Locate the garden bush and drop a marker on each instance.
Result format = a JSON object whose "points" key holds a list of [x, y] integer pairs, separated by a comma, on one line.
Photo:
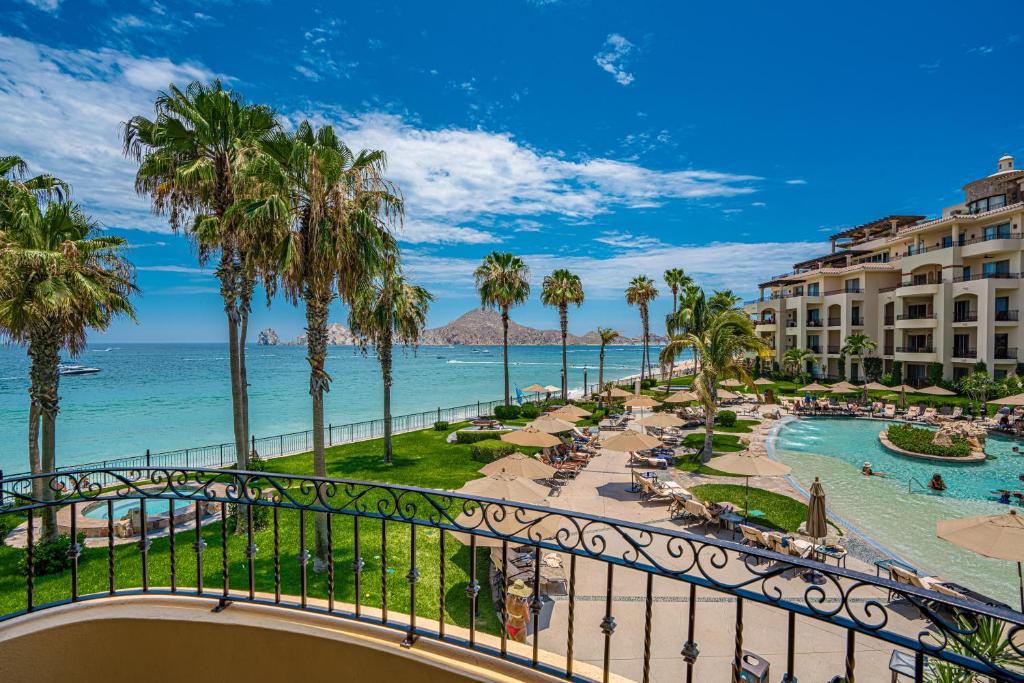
{"points": [[51, 557], [919, 440], [509, 412], [465, 437], [529, 411], [440, 425], [489, 450], [726, 418]]}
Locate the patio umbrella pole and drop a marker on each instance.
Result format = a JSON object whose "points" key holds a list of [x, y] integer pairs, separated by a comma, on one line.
{"points": [[1020, 578]]}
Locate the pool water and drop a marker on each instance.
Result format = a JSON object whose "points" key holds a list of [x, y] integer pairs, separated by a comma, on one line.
{"points": [[881, 507], [123, 507]]}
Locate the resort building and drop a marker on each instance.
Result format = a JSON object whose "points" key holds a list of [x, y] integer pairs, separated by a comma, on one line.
{"points": [[943, 291]]}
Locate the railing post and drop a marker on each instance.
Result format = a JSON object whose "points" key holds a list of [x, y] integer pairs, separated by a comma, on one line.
{"points": [[330, 434], [439, 413], [147, 458]]}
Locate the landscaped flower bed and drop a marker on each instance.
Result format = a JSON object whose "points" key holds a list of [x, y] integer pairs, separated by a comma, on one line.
{"points": [[919, 440]]}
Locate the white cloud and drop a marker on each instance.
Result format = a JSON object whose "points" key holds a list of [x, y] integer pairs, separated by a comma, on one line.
{"points": [[758, 204], [796, 181], [614, 56], [62, 110], [627, 240], [45, 5], [719, 265], [429, 232]]}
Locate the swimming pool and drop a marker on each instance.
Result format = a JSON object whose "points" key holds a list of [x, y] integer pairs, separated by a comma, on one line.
{"points": [[881, 507], [124, 506]]}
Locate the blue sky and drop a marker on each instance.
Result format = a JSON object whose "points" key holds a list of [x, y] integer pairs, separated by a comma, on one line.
{"points": [[611, 138]]}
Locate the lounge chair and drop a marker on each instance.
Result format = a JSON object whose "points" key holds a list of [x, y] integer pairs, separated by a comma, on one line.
{"points": [[957, 413], [929, 415], [889, 412], [913, 412], [699, 511], [792, 546]]}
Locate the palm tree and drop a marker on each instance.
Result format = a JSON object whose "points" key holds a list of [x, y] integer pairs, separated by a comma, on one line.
{"points": [[391, 309], [503, 281], [58, 279], [795, 360], [677, 280], [334, 213], [560, 289], [723, 300], [16, 190], [720, 345], [190, 156], [856, 346], [607, 336], [640, 293]]}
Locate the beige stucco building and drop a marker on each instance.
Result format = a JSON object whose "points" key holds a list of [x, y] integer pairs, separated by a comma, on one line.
{"points": [[945, 290]]}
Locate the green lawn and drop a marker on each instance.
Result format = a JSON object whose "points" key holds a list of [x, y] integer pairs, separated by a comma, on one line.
{"points": [[421, 459], [697, 467], [740, 427], [720, 443], [780, 512]]}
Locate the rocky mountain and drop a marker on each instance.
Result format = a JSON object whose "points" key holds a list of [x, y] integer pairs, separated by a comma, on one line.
{"points": [[481, 326], [267, 337], [337, 335]]}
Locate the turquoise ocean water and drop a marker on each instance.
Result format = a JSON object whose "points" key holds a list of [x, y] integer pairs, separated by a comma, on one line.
{"points": [[169, 396]]}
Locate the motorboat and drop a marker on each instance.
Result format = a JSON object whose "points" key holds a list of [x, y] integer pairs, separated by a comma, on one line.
{"points": [[66, 369]]}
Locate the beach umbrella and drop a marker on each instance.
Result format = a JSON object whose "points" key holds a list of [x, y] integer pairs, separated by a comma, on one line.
{"points": [[1000, 537], [731, 383], [550, 425], [817, 524], [904, 389], [571, 409], [843, 388], [519, 465], [630, 441], [506, 487], [616, 392], [875, 386], [681, 396], [1015, 400], [726, 395], [536, 388], [748, 466], [813, 386], [642, 402], [936, 391], [551, 388], [763, 382], [661, 420], [528, 436]]}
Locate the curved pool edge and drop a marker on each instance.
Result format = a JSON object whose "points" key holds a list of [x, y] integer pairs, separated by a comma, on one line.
{"points": [[769, 445], [975, 458]]}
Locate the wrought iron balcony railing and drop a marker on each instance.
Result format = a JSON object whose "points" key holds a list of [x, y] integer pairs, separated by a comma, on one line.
{"points": [[968, 317], [960, 352], [916, 316], [1006, 353], [834, 322], [387, 520], [999, 275], [813, 322], [1006, 316], [923, 348]]}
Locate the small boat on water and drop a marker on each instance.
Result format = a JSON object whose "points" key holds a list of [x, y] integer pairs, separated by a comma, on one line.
{"points": [[65, 369]]}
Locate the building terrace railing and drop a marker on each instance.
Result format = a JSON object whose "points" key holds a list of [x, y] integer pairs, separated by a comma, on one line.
{"points": [[968, 317], [1004, 316], [854, 290], [964, 353], [916, 316], [1006, 353], [987, 276], [924, 348], [395, 519]]}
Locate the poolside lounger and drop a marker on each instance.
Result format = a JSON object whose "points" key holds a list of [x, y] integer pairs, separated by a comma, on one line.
{"points": [[913, 412], [929, 414], [957, 413], [890, 411], [699, 511]]}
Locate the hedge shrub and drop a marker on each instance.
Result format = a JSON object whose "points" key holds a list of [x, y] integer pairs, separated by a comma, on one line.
{"points": [[489, 450], [509, 412], [726, 418], [51, 557], [919, 440], [529, 410], [466, 437], [440, 425]]}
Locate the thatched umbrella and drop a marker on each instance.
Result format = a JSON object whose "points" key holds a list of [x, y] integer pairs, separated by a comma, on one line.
{"points": [[748, 466], [616, 392], [763, 382], [505, 520], [519, 465], [731, 383], [726, 395], [571, 412], [1015, 400], [681, 396], [662, 420], [875, 386], [936, 391], [630, 441], [528, 436], [550, 425], [813, 386], [997, 536], [506, 487]]}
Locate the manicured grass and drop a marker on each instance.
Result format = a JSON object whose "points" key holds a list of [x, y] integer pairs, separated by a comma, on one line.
{"points": [[697, 467], [421, 459], [739, 427], [780, 512], [720, 443], [919, 440]]}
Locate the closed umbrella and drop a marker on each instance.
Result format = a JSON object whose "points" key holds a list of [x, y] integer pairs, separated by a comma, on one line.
{"points": [[528, 436], [817, 524], [748, 466], [519, 465], [1000, 537], [661, 420], [550, 425], [682, 396], [904, 389], [630, 441]]}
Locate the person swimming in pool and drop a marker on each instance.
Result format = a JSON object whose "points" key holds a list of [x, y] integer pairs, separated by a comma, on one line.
{"points": [[1004, 497], [936, 483], [867, 471]]}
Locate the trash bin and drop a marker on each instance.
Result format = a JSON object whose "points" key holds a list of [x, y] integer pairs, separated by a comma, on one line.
{"points": [[754, 669]]}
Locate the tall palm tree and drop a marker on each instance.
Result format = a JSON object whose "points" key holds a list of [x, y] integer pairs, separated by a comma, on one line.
{"points": [[677, 280], [640, 293], [795, 360], [721, 344], [190, 157], [58, 279], [503, 281], [390, 309], [607, 336], [16, 190], [560, 289], [856, 346], [334, 211], [723, 300]]}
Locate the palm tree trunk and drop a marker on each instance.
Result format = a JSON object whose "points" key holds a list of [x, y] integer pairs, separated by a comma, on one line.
{"points": [[504, 342], [227, 274], [33, 446], [317, 310], [44, 350], [600, 378], [709, 432], [243, 378], [672, 363], [384, 354], [563, 316], [647, 352]]}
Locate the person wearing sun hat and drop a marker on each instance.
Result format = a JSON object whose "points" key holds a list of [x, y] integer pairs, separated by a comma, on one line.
{"points": [[517, 610]]}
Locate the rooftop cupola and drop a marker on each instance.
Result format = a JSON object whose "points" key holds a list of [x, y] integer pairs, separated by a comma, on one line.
{"points": [[1005, 163]]}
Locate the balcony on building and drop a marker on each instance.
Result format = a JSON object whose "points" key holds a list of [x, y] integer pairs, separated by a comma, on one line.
{"points": [[964, 353], [1005, 353]]}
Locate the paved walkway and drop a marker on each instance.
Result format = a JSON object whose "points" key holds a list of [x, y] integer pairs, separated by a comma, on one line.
{"points": [[603, 489]]}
